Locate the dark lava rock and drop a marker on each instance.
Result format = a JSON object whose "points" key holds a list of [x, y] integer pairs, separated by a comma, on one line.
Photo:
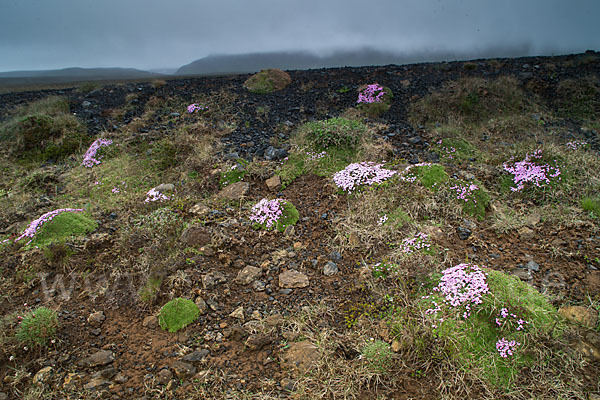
{"points": [[463, 233], [196, 356]]}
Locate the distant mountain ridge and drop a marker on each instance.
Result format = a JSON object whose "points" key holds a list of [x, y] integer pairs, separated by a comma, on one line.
{"points": [[77, 73], [253, 62]]}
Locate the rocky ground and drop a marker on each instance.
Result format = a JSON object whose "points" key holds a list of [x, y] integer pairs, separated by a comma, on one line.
{"points": [[261, 292]]}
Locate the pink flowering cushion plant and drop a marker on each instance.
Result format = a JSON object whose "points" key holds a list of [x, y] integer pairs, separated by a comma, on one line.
{"points": [[274, 214], [89, 159], [489, 320], [361, 174], [532, 172], [57, 225], [374, 99]]}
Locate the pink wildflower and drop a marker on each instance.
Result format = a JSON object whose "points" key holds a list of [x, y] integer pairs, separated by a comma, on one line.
{"points": [[35, 225], [89, 159]]}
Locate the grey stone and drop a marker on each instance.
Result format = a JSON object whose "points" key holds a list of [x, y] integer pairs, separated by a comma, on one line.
{"points": [[196, 356], [202, 306], [183, 370], [523, 274], [175, 114], [164, 376], [248, 275], [212, 279], [330, 268], [86, 104], [273, 183], [97, 384], [259, 286], [43, 376], [533, 266], [165, 187], [195, 235]]}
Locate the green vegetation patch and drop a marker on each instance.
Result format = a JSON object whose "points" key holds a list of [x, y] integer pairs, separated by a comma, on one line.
{"points": [[38, 327], [334, 132], [378, 355], [498, 337], [177, 314], [268, 81], [324, 163], [455, 149], [431, 176], [65, 225], [472, 196], [591, 205]]}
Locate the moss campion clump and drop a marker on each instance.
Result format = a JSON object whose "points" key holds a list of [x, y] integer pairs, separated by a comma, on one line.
{"points": [[277, 214], [268, 81], [56, 226], [38, 327], [491, 321], [177, 314], [374, 100]]}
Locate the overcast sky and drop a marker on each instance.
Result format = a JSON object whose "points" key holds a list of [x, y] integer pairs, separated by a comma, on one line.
{"points": [[45, 34]]}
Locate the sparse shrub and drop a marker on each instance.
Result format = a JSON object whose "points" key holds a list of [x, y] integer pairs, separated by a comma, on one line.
{"points": [[334, 132], [158, 83], [472, 100], [379, 356], [469, 66], [267, 81], [149, 292], [42, 131], [274, 214], [578, 98], [164, 154], [38, 327], [177, 314], [87, 87]]}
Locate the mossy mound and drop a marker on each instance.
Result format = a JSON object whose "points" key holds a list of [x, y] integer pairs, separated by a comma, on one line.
{"points": [[177, 314], [63, 226], [268, 81]]}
